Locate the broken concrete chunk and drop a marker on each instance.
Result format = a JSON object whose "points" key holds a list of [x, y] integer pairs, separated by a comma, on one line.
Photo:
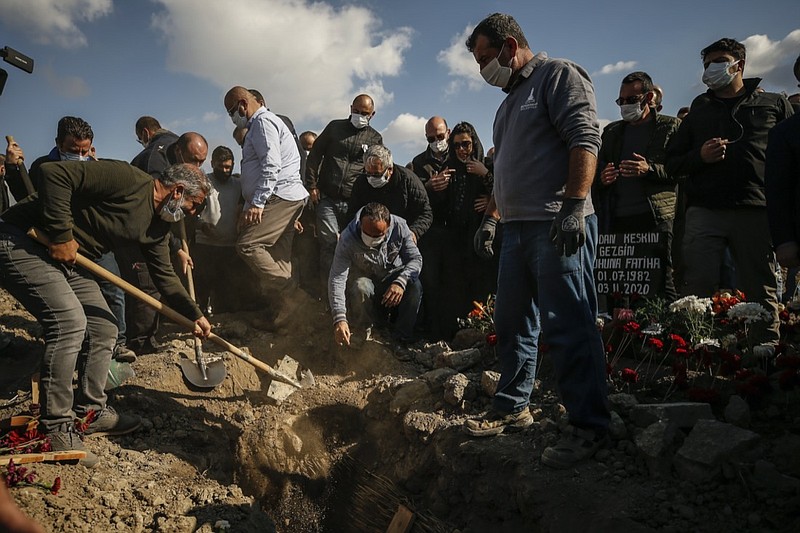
{"points": [[709, 445], [436, 377], [459, 360], [489, 381], [454, 389], [622, 403], [737, 412]]}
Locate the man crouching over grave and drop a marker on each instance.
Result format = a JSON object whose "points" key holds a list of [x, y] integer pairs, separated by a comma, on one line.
{"points": [[91, 208], [377, 264]]}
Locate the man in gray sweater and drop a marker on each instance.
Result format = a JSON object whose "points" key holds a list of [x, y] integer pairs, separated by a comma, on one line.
{"points": [[546, 138]]}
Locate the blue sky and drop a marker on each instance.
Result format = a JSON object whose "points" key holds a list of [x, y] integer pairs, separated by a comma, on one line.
{"points": [[110, 61]]}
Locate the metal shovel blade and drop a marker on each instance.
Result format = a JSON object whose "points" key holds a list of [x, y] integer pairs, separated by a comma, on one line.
{"points": [[215, 373]]}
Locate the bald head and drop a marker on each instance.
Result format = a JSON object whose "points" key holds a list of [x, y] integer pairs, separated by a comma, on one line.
{"points": [[437, 133], [239, 98], [363, 105], [191, 148]]}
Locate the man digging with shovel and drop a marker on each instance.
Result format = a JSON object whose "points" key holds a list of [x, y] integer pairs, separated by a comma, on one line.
{"points": [[91, 208]]}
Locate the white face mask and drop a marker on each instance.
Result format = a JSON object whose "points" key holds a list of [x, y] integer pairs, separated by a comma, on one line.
{"points": [[496, 75], [717, 75], [172, 212], [65, 156], [238, 120], [359, 121], [438, 146], [378, 181], [372, 242], [631, 112]]}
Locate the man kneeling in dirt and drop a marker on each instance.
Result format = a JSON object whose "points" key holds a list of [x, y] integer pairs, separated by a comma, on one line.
{"points": [[91, 207], [385, 261]]}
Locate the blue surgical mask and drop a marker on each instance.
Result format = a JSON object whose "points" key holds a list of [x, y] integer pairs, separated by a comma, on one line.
{"points": [[718, 75], [66, 156]]}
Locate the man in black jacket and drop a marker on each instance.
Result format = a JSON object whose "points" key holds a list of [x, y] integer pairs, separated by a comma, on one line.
{"points": [[334, 163], [783, 187], [720, 146], [632, 191], [394, 186]]}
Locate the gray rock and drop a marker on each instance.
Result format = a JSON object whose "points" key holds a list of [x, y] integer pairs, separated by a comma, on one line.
{"points": [[616, 428], [436, 377], [767, 475], [709, 445], [409, 394], [454, 389], [460, 360], [421, 426], [622, 402], [467, 338], [786, 454], [737, 412], [655, 443], [682, 414], [489, 381]]}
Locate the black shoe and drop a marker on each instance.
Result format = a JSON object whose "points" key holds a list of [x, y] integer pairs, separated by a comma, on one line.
{"points": [[575, 445], [145, 346]]}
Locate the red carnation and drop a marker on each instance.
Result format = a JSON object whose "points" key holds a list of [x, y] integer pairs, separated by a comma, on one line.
{"points": [[491, 339], [629, 375], [631, 327], [677, 340], [657, 344]]}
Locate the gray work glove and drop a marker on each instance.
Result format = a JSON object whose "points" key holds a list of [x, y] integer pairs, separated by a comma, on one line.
{"points": [[484, 237], [568, 231]]}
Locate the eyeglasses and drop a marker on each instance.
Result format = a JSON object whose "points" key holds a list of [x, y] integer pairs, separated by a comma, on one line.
{"points": [[466, 145], [630, 100], [233, 109], [439, 137]]}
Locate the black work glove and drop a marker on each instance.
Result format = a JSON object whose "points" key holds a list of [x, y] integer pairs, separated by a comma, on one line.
{"points": [[484, 237], [568, 231]]}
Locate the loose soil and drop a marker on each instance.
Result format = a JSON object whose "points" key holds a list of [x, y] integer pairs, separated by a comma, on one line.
{"points": [[342, 456]]}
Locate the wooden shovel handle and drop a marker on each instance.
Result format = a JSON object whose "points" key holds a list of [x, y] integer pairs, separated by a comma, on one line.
{"points": [[168, 312]]}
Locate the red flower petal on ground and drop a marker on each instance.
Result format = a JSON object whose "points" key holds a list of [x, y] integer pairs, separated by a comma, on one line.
{"points": [[629, 375], [491, 339], [56, 486]]}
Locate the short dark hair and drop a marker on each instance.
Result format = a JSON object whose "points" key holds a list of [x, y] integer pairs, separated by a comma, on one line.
{"points": [[734, 47], [222, 153], [497, 27], [146, 122], [307, 133], [375, 212], [77, 127], [643, 77]]}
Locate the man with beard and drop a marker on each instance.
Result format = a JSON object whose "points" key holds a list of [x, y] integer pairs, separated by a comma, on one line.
{"points": [[220, 275]]}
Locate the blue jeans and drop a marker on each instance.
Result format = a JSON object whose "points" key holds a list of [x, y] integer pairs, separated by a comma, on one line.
{"points": [[541, 292], [331, 215], [115, 297], [364, 296], [79, 329]]}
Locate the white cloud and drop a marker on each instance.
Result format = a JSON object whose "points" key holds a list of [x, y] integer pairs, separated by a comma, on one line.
{"points": [[308, 59], [53, 21], [611, 68], [460, 64], [405, 135], [66, 86], [773, 60], [212, 116]]}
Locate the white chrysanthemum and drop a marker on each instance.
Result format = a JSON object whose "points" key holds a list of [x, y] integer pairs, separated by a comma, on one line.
{"points": [[707, 342], [691, 304], [653, 329], [749, 312]]}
